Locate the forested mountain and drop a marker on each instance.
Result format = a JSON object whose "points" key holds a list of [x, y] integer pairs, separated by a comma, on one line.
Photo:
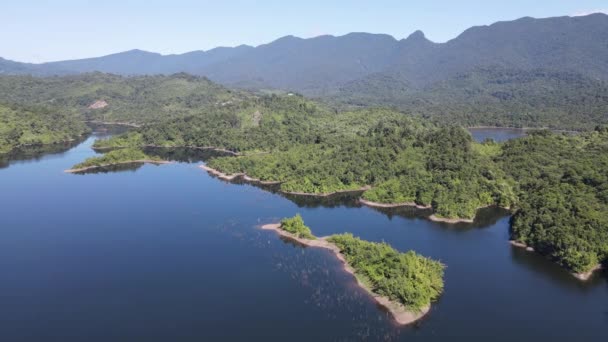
{"points": [[491, 97], [316, 65], [483, 97], [138, 62], [112, 98], [528, 72]]}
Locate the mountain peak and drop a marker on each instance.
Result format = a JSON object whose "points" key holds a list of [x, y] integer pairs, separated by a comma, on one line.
{"points": [[140, 52], [417, 36]]}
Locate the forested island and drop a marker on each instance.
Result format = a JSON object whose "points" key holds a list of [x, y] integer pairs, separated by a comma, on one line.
{"points": [[404, 283]]}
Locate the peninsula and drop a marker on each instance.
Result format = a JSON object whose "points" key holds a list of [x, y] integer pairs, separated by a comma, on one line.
{"points": [[403, 283], [116, 157]]}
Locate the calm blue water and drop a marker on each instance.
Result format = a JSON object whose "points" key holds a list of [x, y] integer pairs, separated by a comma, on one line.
{"points": [[498, 134], [167, 252]]}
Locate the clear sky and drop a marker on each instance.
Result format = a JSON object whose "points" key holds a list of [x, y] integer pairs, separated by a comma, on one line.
{"points": [[40, 31]]}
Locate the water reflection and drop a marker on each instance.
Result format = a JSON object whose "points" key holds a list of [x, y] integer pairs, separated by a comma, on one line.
{"points": [[191, 241], [496, 134], [543, 266], [184, 155], [36, 153], [112, 168]]}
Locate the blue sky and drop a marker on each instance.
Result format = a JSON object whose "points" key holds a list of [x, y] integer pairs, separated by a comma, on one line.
{"points": [[39, 31]]}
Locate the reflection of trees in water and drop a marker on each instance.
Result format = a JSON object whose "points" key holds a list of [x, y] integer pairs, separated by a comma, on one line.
{"points": [[556, 274], [184, 155], [112, 168], [36, 152], [350, 200], [486, 217]]}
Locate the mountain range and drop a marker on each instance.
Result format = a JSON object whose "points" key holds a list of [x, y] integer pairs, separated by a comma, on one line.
{"points": [[326, 64]]}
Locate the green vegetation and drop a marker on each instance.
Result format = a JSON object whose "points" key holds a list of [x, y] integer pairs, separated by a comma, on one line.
{"points": [[140, 99], [295, 225], [264, 123], [562, 185], [490, 97], [313, 150], [409, 278], [555, 183], [117, 156], [24, 126]]}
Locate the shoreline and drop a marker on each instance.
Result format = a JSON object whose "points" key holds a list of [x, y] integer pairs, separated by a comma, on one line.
{"points": [[244, 176], [433, 217], [234, 176], [584, 276], [326, 194], [143, 161], [400, 313], [217, 149], [436, 218], [393, 205]]}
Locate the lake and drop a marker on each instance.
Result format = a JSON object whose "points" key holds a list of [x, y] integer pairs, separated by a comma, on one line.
{"points": [[168, 253]]}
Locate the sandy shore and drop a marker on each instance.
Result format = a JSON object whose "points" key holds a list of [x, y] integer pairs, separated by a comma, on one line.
{"points": [[581, 276], [232, 177], [400, 313], [521, 245], [393, 205], [157, 162], [586, 275], [435, 218], [367, 187]]}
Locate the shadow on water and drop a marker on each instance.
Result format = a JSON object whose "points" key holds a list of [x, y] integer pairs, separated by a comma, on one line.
{"points": [[184, 155], [37, 152], [486, 217], [112, 168], [556, 274]]}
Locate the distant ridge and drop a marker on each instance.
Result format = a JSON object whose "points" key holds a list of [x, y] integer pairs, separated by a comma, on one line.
{"points": [[324, 65]]}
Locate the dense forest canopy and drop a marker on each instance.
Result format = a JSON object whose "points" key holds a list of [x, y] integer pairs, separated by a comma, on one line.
{"points": [[562, 185], [409, 278], [136, 100], [490, 96], [34, 125], [495, 96], [309, 150]]}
